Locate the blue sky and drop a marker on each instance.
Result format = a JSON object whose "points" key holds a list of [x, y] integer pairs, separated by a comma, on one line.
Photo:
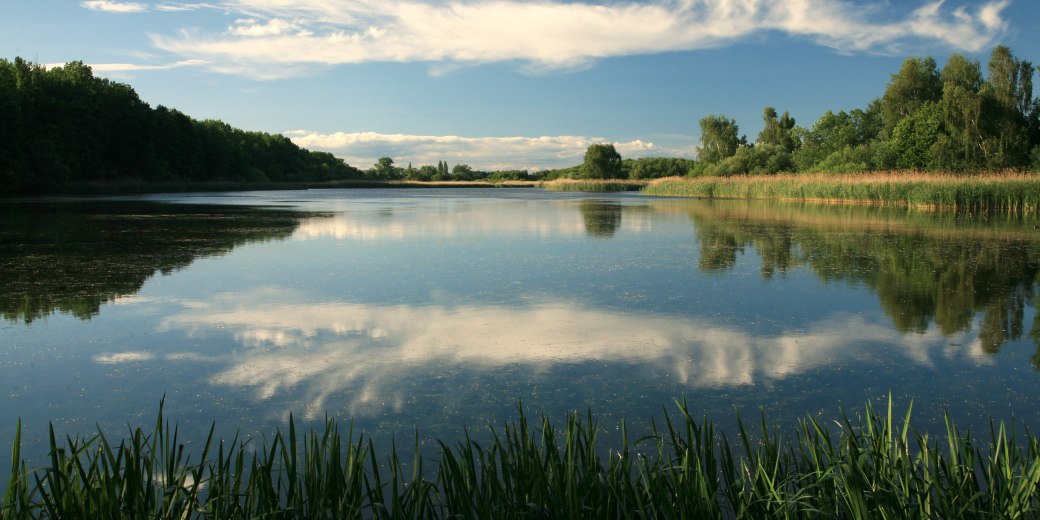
{"points": [[502, 84]]}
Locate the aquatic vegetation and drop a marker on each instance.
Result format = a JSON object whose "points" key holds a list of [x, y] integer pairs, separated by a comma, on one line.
{"points": [[874, 464], [1014, 192], [594, 185]]}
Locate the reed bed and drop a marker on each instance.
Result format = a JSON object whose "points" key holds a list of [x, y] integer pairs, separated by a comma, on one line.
{"points": [[1013, 192], [594, 185], [872, 466]]}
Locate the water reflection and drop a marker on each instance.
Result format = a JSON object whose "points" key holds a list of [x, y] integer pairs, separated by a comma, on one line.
{"points": [[367, 352], [73, 257], [433, 310], [602, 217], [926, 269]]}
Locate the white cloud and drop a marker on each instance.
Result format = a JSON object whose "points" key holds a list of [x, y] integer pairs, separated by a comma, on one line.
{"points": [[478, 222], [250, 27], [551, 35], [361, 149], [178, 7], [130, 67], [114, 7], [371, 350], [137, 7], [123, 357], [989, 15]]}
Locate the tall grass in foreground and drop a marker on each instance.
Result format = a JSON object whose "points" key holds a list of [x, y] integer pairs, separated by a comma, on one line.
{"points": [[593, 185], [982, 192], [875, 465]]}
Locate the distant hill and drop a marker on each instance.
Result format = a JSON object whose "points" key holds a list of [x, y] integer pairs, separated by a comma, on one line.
{"points": [[62, 126]]}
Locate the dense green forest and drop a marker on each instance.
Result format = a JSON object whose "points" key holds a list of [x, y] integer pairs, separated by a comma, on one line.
{"points": [[62, 126], [952, 120]]}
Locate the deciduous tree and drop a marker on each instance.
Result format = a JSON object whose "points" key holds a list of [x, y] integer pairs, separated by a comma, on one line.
{"points": [[602, 161], [718, 139], [916, 83]]}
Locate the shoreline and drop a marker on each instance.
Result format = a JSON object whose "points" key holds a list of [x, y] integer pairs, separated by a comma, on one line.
{"points": [[1002, 191]]}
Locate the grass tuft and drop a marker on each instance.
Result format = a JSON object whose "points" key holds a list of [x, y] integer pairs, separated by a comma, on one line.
{"points": [[875, 465]]}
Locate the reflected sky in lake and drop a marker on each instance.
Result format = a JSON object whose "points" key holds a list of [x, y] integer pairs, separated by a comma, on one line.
{"points": [[336, 347], [434, 309]]}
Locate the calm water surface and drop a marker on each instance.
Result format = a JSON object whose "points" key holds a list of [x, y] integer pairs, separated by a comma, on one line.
{"points": [[440, 309]]}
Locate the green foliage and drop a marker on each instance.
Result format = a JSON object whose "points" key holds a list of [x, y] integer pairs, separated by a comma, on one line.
{"points": [[385, 169], [916, 135], [572, 172], [602, 161], [956, 121], [871, 464], [1012, 110], [837, 142], [65, 127], [762, 159], [656, 167], [848, 159], [507, 175], [777, 131], [426, 172], [718, 139], [916, 83], [463, 172], [962, 106]]}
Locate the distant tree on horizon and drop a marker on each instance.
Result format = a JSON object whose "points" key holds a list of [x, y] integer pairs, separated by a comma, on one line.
{"points": [[602, 161]]}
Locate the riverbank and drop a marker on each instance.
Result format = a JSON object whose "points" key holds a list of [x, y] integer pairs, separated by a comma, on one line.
{"points": [[1009, 192], [876, 465]]}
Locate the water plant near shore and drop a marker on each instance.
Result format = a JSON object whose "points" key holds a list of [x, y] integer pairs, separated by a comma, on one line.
{"points": [[1010, 192], [872, 465], [593, 185]]}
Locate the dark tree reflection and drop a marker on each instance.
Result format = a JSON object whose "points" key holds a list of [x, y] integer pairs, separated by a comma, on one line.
{"points": [[602, 217], [73, 257], [926, 269]]}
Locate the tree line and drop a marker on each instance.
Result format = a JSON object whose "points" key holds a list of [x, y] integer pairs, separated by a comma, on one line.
{"points": [[62, 126], [602, 161], [384, 169], [952, 119]]}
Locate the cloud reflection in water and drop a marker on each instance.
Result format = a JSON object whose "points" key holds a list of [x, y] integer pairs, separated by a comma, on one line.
{"points": [[469, 219], [367, 350]]}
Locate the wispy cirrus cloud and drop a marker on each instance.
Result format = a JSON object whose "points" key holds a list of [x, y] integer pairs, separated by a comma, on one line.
{"points": [[137, 7], [274, 38], [114, 7], [179, 7], [252, 27], [132, 67], [362, 149]]}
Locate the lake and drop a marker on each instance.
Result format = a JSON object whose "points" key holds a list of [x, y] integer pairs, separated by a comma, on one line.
{"points": [[434, 310]]}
